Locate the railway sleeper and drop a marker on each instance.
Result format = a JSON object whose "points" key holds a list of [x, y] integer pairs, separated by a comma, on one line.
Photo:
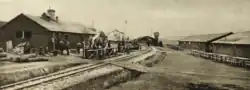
{"points": [[117, 77]]}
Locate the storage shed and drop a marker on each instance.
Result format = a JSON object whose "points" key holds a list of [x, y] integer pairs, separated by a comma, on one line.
{"points": [[40, 30], [237, 44], [201, 42]]}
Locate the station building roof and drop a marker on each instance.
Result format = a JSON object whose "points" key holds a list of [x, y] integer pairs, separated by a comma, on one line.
{"points": [[60, 26], [205, 38], [236, 38], [2, 23]]}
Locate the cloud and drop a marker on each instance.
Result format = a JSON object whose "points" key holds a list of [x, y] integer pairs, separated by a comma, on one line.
{"points": [[171, 17], [5, 1]]}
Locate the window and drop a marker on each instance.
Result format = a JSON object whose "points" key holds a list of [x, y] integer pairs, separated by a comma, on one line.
{"points": [[23, 34], [66, 36], [19, 34], [27, 35]]}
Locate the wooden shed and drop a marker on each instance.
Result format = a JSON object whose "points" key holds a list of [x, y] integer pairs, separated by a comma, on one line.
{"points": [[39, 30], [237, 44], [201, 42]]}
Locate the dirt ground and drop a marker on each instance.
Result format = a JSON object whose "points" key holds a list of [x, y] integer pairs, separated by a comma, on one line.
{"points": [[179, 71]]}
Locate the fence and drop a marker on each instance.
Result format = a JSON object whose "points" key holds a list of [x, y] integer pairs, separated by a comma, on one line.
{"points": [[221, 58]]}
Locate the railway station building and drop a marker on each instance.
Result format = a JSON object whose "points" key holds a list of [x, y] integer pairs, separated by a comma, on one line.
{"points": [[115, 36], [201, 42], [39, 30], [237, 44]]}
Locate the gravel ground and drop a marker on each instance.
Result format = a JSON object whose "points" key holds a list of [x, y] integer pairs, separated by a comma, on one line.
{"points": [[74, 79], [179, 71]]}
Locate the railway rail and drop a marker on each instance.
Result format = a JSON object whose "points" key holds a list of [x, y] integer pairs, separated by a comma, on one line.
{"points": [[70, 71]]}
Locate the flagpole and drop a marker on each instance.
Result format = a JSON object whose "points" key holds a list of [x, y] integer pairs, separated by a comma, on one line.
{"points": [[93, 23], [125, 29]]}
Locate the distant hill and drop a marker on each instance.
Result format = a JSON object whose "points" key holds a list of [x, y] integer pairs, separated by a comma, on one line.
{"points": [[172, 39]]}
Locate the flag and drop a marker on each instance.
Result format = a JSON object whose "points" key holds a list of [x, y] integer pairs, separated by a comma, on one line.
{"points": [[126, 21]]}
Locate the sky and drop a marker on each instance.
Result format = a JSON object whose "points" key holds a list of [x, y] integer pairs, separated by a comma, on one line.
{"points": [[169, 17]]}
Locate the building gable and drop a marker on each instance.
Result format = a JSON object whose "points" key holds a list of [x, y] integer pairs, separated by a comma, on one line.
{"points": [[21, 19], [22, 24], [2, 23], [236, 38], [205, 38]]}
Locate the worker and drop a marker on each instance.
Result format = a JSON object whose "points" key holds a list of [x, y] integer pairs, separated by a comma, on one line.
{"points": [[109, 44], [27, 47], [119, 47], [41, 51], [128, 45], [61, 46], [67, 46], [78, 47], [160, 44]]}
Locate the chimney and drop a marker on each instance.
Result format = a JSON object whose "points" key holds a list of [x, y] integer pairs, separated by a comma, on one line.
{"points": [[51, 14], [57, 18]]}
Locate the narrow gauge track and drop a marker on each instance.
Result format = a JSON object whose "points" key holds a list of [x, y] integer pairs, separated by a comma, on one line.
{"points": [[71, 71]]}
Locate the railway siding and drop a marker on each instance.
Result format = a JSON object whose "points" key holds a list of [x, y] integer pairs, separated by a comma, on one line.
{"points": [[47, 84]]}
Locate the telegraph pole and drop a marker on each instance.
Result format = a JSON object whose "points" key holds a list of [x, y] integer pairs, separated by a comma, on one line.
{"points": [[93, 23], [151, 31], [125, 28]]}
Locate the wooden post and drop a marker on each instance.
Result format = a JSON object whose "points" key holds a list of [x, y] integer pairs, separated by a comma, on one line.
{"points": [[53, 42], [83, 50]]}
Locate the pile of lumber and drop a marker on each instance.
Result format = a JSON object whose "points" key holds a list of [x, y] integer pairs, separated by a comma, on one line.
{"points": [[29, 58], [22, 58], [3, 56]]}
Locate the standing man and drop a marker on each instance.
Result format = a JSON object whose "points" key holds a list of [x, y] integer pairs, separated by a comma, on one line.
{"points": [[127, 45], [119, 47], [67, 43], [27, 47], [78, 47], [61, 46]]}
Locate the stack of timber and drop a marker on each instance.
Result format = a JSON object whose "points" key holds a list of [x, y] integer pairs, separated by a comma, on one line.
{"points": [[3, 56], [29, 58]]}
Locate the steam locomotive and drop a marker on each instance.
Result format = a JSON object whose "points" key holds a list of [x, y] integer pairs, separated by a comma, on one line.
{"points": [[151, 41], [156, 41]]}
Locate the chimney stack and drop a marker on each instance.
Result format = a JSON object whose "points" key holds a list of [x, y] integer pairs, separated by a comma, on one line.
{"points": [[51, 14], [57, 18]]}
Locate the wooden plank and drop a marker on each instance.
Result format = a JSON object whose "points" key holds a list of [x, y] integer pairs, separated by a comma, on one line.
{"points": [[130, 66]]}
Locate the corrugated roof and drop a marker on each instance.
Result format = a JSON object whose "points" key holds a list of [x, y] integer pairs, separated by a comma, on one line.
{"points": [[204, 38], [61, 26], [236, 38]]}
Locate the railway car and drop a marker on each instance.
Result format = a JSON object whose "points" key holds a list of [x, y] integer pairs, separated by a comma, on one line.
{"points": [[98, 47]]}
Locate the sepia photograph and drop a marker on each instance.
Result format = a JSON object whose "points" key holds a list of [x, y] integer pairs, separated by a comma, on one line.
{"points": [[124, 44]]}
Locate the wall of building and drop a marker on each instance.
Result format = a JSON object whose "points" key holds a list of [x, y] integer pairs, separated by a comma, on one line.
{"points": [[232, 50], [75, 38], [40, 36], [193, 45]]}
